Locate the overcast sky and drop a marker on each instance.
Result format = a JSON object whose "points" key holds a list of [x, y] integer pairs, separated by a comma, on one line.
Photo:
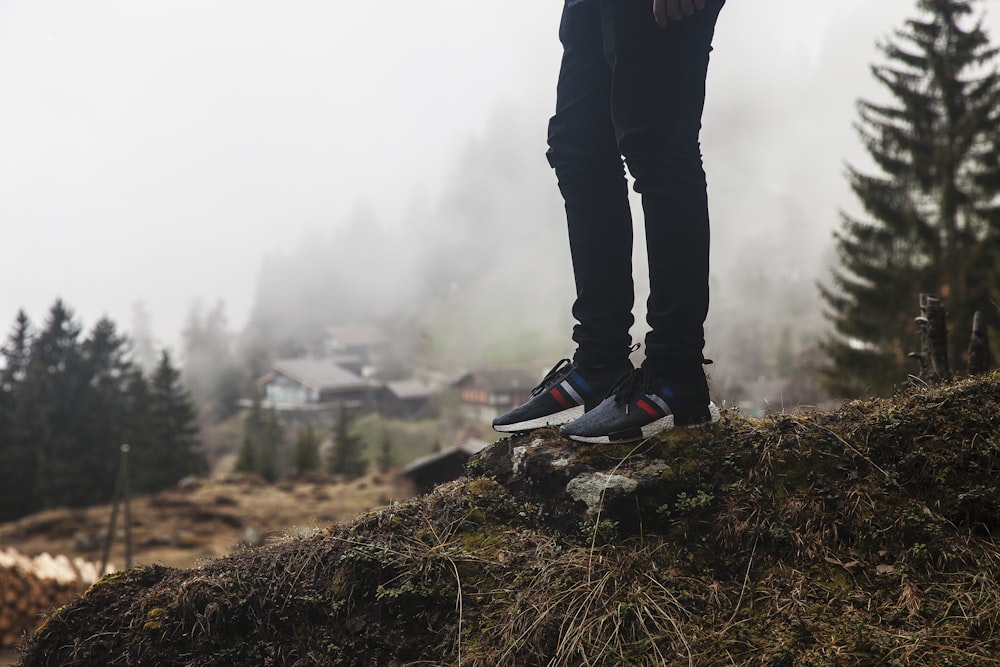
{"points": [[156, 150]]}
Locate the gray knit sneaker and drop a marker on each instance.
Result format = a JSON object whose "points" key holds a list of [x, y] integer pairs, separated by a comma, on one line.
{"points": [[564, 394], [640, 406]]}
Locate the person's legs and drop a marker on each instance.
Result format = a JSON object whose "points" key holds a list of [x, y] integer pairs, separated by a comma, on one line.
{"points": [[583, 150], [658, 95]]}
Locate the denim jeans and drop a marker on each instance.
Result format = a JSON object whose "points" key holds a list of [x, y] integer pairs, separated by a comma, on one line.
{"points": [[632, 93]]}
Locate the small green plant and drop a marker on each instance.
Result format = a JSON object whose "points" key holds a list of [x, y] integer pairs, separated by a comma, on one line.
{"points": [[686, 505], [601, 533]]}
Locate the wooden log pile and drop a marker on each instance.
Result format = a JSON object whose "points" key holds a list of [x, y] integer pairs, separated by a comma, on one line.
{"points": [[30, 588]]}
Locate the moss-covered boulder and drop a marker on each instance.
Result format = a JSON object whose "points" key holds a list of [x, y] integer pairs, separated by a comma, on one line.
{"points": [[862, 536]]}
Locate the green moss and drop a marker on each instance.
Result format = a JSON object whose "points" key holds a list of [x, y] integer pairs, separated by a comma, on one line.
{"points": [[153, 620]]}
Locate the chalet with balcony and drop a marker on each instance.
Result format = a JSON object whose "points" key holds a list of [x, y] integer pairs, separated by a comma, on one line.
{"points": [[487, 394]]}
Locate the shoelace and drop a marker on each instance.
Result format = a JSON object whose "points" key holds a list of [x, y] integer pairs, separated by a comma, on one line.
{"points": [[635, 384], [630, 386], [551, 375]]}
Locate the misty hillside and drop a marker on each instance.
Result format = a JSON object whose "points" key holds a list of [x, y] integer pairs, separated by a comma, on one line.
{"points": [[481, 274], [862, 536]]}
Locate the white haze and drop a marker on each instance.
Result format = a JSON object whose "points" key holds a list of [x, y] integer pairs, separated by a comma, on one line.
{"points": [[157, 151]]}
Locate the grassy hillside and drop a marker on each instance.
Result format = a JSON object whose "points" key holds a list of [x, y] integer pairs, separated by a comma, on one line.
{"points": [[863, 536]]}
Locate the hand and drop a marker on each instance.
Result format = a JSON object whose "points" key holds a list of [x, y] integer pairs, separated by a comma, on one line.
{"points": [[674, 10]]}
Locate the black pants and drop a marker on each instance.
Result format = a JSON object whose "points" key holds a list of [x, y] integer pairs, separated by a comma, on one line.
{"points": [[630, 89]]}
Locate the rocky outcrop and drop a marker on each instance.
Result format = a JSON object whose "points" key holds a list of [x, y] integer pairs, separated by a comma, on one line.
{"points": [[632, 485]]}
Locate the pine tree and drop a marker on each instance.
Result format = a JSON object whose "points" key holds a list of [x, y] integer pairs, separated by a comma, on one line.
{"points": [[306, 455], [386, 455], [210, 369], [173, 450], [100, 421], [49, 405], [143, 344], [346, 456], [270, 440], [262, 440], [16, 353], [17, 457], [934, 211], [246, 458]]}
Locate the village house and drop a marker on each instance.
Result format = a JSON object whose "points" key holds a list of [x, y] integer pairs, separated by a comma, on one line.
{"points": [[486, 394], [314, 387], [405, 399]]}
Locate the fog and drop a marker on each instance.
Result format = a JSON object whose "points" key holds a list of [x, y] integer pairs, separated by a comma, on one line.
{"points": [[169, 152]]}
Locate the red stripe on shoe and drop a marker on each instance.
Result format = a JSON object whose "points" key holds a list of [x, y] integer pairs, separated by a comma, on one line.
{"points": [[648, 408], [562, 400]]}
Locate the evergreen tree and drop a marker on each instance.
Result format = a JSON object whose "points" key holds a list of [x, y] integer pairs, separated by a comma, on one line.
{"points": [[100, 420], [246, 458], [17, 457], [306, 455], [346, 456], [386, 455], [50, 398], [15, 353], [269, 441], [262, 440], [143, 344], [934, 210], [210, 368], [173, 450]]}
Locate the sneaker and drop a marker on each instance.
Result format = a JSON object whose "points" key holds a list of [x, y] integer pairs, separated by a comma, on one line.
{"points": [[564, 394], [640, 406]]}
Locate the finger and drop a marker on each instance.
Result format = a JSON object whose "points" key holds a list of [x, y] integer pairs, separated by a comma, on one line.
{"points": [[674, 10], [699, 4], [660, 12], [687, 7]]}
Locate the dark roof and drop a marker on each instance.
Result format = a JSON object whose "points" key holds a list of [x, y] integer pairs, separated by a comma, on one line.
{"points": [[319, 374], [469, 447], [504, 379], [408, 389]]}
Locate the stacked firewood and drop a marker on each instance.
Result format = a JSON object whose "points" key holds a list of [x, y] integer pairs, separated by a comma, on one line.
{"points": [[30, 588]]}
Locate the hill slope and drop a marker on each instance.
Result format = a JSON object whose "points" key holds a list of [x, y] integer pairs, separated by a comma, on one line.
{"points": [[862, 536]]}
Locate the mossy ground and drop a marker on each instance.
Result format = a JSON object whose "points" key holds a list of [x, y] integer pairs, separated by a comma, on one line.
{"points": [[863, 536]]}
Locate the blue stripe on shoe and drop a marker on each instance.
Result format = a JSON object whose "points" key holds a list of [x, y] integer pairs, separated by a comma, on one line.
{"points": [[665, 390], [582, 383]]}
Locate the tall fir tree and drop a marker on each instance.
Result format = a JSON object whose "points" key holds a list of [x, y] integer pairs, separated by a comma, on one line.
{"points": [[210, 368], [263, 440], [934, 210], [346, 456], [173, 449], [386, 454], [306, 457], [101, 423], [51, 392], [17, 457]]}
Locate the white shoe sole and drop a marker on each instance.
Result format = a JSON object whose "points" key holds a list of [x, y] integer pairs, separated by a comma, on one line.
{"points": [[555, 419], [650, 429]]}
